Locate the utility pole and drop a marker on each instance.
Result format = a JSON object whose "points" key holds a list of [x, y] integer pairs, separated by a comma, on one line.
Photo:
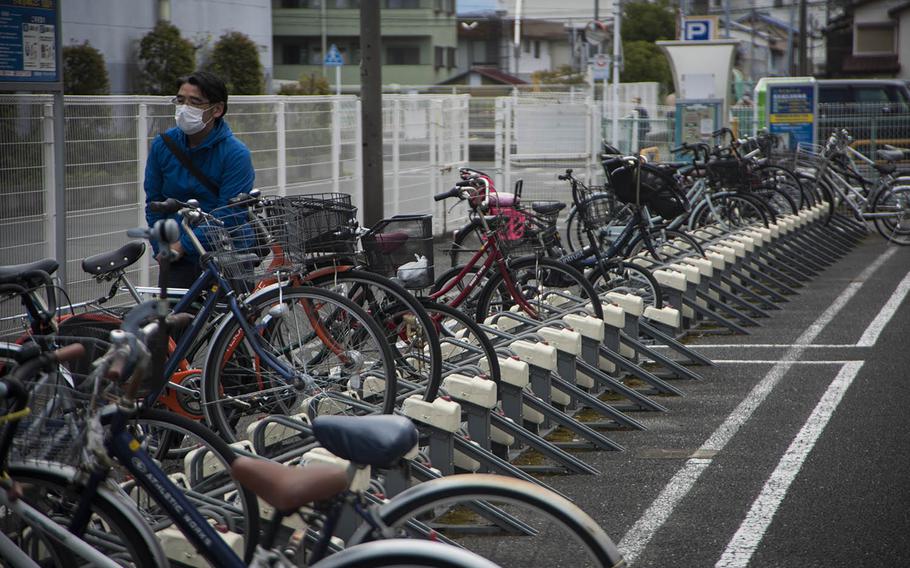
{"points": [[727, 19], [371, 110], [617, 63], [803, 40], [323, 24], [790, 66]]}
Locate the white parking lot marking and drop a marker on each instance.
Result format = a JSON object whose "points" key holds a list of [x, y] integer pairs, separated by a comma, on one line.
{"points": [[870, 336], [637, 538], [743, 544]]}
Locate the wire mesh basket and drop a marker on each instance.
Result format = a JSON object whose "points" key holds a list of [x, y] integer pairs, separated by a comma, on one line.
{"points": [[728, 172], [809, 156], [282, 235], [529, 229], [61, 405], [402, 247]]}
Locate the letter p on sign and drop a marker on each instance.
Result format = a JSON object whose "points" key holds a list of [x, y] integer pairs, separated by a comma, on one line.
{"points": [[698, 29]]}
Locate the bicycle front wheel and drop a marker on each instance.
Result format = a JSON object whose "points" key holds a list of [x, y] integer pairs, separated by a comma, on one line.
{"points": [[892, 210], [471, 508], [313, 352], [542, 284], [114, 528], [402, 553], [627, 278]]}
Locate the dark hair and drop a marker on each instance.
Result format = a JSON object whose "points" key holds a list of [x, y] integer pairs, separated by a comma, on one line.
{"points": [[211, 85]]}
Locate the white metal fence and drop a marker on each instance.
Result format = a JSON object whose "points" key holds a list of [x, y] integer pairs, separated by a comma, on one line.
{"points": [[298, 144]]}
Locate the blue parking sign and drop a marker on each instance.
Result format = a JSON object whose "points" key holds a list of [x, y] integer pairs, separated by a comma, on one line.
{"points": [[699, 28]]}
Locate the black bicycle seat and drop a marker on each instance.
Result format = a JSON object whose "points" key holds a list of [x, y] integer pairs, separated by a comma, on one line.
{"points": [[884, 168], [25, 273], [114, 260], [890, 155], [366, 440], [546, 207]]}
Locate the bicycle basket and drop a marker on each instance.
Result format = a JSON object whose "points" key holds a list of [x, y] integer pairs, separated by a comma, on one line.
{"points": [[529, 229], [728, 172], [402, 247], [319, 223], [61, 403], [657, 190]]}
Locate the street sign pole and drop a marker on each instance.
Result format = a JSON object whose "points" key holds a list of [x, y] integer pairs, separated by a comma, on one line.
{"points": [[338, 79]]}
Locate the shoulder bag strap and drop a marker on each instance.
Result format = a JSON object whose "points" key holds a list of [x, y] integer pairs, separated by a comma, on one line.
{"points": [[189, 165]]}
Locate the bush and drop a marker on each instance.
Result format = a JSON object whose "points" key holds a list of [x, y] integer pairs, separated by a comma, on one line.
{"points": [[307, 85], [644, 61], [564, 75], [235, 58], [164, 57], [84, 71]]}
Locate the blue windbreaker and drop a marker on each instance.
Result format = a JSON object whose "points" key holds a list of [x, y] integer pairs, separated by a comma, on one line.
{"points": [[221, 157]]}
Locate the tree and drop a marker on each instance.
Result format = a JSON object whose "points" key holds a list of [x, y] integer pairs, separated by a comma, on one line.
{"points": [[644, 21], [310, 84], [235, 58], [564, 75], [164, 57], [84, 71], [645, 62]]}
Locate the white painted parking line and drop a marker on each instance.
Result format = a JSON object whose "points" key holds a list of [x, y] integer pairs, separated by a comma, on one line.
{"points": [[870, 336], [774, 361], [697, 346], [635, 540], [743, 544]]}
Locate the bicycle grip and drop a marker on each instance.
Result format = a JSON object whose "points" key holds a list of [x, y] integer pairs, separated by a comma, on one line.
{"points": [[70, 352], [454, 192], [169, 205]]}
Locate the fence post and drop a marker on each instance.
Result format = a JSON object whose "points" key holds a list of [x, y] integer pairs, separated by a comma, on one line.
{"points": [[51, 207], [336, 144], [434, 116], [507, 135], [498, 125], [465, 129], [357, 192], [396, 155], [142, 155], [281, 149], [591, 106], [634, 133]]}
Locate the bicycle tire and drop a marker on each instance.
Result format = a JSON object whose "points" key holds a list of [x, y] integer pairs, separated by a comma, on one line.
{"points": [[627, 278], [777, 200], [546, 273], [733, 209], [894, 200], [664, 237], [213, 476], [541, 509], [398, 338], [404, 552], [115, 527], [471, 327], [782, 175], [232, 401], [463, 245]]}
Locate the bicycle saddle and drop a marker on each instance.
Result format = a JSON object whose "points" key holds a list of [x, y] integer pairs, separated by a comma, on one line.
{"points": [[545, 207], [114, 260], [890, 155], [289, 488], [885, 168], [25, 273], [366, 440]]}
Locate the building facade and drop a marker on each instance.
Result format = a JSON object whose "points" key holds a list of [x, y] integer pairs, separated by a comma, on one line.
{"points": [[419, 39], [115, 27]]}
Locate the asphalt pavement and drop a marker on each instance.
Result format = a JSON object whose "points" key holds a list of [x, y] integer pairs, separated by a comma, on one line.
{"points": [[791, 452]]}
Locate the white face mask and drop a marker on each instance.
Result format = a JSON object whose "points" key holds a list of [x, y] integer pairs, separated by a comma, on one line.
{"points": [[189, 119]]}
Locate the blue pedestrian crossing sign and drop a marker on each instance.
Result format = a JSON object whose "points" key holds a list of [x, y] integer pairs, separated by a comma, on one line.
{"points": [[333, 58]]}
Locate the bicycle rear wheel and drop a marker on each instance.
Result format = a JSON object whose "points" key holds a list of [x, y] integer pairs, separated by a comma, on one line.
{"points": [[627, 278], [114, 528], [542, 283], [339, 357], [894, 202], [471, 508]]}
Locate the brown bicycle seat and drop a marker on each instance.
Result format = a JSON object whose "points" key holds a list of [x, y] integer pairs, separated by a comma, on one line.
{"points": [[289, 488]]}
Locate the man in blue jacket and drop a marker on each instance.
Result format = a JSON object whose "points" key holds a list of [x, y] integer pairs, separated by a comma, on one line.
{"points": [[202, 135]]}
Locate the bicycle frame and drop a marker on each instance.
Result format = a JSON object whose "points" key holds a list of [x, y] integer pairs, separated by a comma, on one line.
{"points": [[493, 255]]}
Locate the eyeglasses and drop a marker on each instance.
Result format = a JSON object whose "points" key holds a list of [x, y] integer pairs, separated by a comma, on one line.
{"points": [[192, 101]]}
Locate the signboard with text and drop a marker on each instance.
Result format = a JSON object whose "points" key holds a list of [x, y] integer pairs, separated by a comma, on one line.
{"points": [[696, 120], [792, 113], [28, 41]]}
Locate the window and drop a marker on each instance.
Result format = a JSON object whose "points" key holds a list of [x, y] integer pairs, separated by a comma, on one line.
{"points": [[440, 55], [450, 57], [536, 49], [402, 55], [526, 47], [293, 54], [874, 38], [402, 4]]}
